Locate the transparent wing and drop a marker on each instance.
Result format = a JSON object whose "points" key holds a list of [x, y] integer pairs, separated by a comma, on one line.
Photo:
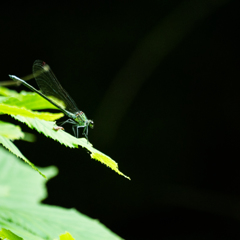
{"points": [[50, 86]]}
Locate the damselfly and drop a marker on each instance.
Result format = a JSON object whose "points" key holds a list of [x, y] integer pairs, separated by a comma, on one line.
{"points": [[50, 86]]}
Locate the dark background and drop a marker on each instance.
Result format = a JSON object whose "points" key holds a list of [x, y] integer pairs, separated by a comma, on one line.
{"points": [[161, 80]]}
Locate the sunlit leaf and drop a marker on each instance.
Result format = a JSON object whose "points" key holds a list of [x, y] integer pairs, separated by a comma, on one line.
{"points": [[68, 140], [66, 236], [8, 109], [7, 92], [8, 235], [32, 101]]}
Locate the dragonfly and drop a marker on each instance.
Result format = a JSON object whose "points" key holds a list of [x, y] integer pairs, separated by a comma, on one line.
{"points": [[50, 86]]}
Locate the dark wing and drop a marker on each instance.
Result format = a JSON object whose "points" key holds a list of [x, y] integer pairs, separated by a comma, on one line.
{"points": [[50, 86]]}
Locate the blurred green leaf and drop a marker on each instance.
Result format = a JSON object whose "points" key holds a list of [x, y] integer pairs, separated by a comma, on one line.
{"points": [[7, 234], [20, 211], [7, 92], [10, 131], [12, 148]]}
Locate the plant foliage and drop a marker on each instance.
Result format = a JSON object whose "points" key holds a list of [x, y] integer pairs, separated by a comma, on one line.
{"points": [[22, 216], [20, 106]]}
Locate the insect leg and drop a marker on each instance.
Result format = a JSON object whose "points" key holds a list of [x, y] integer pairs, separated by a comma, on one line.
{"points": [[75, 128], [67, 121]]}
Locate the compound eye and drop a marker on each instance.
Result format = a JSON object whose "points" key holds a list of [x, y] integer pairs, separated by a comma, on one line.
{"points": [[91, 124]]}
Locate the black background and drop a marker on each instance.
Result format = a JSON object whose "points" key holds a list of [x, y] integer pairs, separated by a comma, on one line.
{"points": [[161, 81]]}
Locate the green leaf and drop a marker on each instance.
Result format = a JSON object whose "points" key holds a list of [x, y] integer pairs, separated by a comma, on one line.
{"points": [[31, 100], [12, 148], [68, 140], [7, 92], [66, 236], [19, 184], [103, 158], [10, 131], [3, 99], [46, 128], [23, 215], [7, 234], [40, 221], [29, 137], [8, 109], [33, 120]]}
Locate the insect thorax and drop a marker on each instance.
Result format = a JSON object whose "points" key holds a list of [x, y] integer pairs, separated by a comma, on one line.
{"points": [[80, 118]]}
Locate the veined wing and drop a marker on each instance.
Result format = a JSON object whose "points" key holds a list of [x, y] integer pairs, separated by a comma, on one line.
{"points": [[50, 86]]}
